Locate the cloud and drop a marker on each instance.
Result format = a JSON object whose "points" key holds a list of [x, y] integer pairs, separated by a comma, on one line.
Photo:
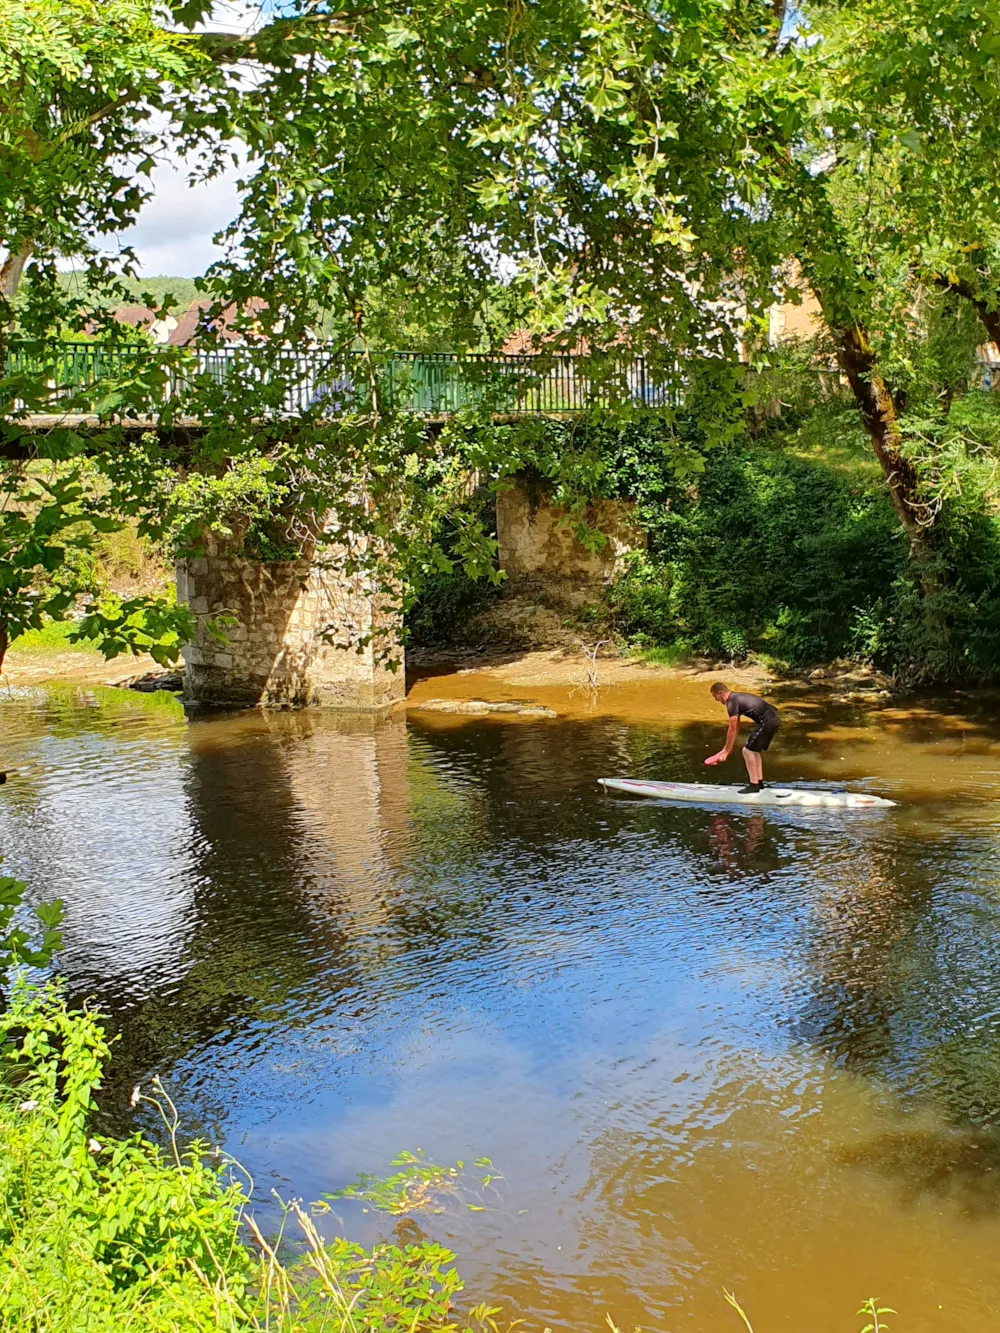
{"points": [[174, 230], [173, 233]]}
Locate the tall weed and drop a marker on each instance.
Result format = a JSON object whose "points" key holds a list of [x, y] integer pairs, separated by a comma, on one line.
{"points": [[103, 1235]]}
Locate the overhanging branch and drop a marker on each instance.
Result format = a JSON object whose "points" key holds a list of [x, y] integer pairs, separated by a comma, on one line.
{"points": [[990, 318]]}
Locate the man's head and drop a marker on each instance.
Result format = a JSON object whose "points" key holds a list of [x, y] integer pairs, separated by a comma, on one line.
{"points": [[720, 692]]}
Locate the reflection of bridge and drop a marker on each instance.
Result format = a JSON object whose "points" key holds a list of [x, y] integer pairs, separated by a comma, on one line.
{"points": [[82, 376]]}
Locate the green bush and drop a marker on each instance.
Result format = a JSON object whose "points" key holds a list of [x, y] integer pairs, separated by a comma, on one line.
{"points": [[786, 545], [771, 553], [774, 535], [107, 1235], [102, 1234]]}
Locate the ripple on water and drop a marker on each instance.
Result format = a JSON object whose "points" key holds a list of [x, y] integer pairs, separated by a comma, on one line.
{"points": [[707, 1048]]}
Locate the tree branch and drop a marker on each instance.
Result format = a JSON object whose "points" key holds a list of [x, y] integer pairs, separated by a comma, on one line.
{"points": [[93, 119], [990, 318], [229, 47], [780, 10]]}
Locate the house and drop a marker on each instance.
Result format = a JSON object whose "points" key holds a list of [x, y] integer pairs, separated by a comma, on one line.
{"points": [[194, 323]]}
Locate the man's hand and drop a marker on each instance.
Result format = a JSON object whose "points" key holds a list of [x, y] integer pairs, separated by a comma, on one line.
{"points": [[719, 758]]}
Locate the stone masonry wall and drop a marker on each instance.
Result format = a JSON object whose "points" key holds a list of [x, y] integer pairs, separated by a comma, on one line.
{"points": [[535, 543], [296, 637]]}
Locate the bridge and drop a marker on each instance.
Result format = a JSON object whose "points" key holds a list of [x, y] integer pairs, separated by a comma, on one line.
{"points": [[303, 631], [82, 377]]}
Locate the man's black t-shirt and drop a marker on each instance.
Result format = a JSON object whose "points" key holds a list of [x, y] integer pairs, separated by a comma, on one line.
{"points": [[752, 706]]}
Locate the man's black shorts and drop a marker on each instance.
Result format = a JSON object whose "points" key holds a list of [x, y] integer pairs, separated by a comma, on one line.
{"points": [[761, 736]]}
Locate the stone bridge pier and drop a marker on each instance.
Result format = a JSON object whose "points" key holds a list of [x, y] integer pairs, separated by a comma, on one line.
{"points": [[304, 632], [300, 633]]}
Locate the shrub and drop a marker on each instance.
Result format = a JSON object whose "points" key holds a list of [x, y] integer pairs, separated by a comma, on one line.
{"points": [[772, 553], [111, 1235], [775, 535]]}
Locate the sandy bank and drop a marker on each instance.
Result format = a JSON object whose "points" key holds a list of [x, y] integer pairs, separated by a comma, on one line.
{"points": [[76, 666], [570, 684]]}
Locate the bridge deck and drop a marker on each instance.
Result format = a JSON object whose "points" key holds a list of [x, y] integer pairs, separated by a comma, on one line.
{"points": [[324, 381]]}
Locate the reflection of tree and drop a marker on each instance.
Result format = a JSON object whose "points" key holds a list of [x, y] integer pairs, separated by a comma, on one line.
{"points": [[64, 713], [863, 927], [903, 985]]}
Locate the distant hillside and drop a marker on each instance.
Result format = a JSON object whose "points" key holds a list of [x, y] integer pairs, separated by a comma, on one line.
{"points": [[145, 291]]}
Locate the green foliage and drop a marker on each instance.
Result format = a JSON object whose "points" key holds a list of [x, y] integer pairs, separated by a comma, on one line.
{"points": [[417, 1186], [109, 1234], [54, 636], [781, 542], [52, 526], [97, 1231], [76, 81], [450, 589], [79, 81], [772, 553], [45, 533], [16, 945], [873, 1312], [788, 548], [390, 1288], [173, 295], [117, 625]]}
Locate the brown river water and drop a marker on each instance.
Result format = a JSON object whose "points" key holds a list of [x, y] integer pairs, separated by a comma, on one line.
{"points": [[706, 1047]]}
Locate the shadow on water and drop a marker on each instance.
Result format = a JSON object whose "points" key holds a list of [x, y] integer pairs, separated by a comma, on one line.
{"points": [[340, 938], [962, 1167]]}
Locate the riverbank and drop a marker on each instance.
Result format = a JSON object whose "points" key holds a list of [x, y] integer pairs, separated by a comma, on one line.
{"points": [[575, 682], [564, 679], [47, 657]]}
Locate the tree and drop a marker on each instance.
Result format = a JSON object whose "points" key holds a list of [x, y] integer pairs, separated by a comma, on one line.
{"points": [[882, 179], [594, 156], [637, 176], [79, 82]]}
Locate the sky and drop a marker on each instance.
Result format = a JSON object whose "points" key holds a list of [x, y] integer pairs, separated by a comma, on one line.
{"points": [[173, 233]]}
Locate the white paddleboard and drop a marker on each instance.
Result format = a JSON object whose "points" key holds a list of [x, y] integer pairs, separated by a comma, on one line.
{"points": [[713, 793]]}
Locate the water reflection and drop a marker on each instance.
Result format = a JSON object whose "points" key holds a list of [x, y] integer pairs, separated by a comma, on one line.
{"points": [[708, 1047]]}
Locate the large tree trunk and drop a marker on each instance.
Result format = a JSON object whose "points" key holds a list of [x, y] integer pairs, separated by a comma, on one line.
{"points": [[858, 362], [10, 274]]}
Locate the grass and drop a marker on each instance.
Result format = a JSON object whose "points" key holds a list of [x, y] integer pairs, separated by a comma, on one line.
{"points": [[661, 654], [50, 639]]}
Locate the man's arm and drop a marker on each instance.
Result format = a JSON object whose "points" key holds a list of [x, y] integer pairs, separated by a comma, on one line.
{"points": [[724, 753], [731, 730]]}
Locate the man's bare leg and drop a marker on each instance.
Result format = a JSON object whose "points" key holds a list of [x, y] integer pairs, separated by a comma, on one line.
{"points": [[755, 765]]}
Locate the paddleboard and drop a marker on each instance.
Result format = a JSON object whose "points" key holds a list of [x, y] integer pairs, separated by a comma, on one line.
{"points": [[713, 793]]}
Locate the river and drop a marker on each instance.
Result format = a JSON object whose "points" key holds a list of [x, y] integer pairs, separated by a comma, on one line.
{"points": [[705, 1048]]}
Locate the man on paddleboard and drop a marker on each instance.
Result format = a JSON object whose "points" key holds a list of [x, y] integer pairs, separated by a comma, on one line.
{"points": [[763, 715]]}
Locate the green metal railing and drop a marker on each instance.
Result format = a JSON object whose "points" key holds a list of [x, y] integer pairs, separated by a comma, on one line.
{"points": [[87, 377]]}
